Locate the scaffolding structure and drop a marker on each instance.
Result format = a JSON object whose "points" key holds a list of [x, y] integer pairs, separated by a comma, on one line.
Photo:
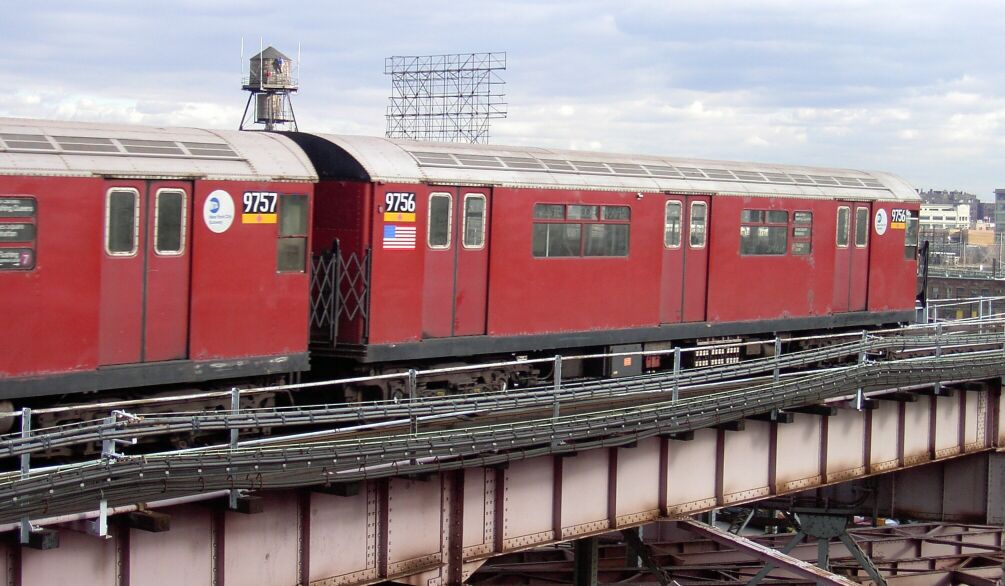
{"points": [[449, 98]]}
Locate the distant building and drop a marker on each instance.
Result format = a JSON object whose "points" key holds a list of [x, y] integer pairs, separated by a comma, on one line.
{"points": [[978, 237], [953, 197], [999, 213], [939, 216]]}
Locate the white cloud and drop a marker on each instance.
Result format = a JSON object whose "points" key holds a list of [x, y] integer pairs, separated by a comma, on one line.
{"points": [[910, 86]]}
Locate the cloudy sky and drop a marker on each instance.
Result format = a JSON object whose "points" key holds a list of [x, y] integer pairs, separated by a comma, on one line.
{"points": [[916, 87]]}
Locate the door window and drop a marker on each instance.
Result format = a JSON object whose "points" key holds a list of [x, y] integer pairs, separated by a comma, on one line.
{"points": [[122, 218], [438, 231], [671, 225], [861, 227], [473, 221], [697, 237], [843, 221], [169, 222]]}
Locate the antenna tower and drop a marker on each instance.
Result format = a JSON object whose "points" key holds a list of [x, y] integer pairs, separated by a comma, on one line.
{"points": [[448, 98]]}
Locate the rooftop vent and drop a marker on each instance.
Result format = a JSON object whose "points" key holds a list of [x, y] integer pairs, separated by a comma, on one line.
{"points": [[32, 142]]}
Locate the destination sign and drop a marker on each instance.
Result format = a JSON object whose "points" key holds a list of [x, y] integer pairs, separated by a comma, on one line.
{"points": [[16, 232], [17, 259], [17, 207]]}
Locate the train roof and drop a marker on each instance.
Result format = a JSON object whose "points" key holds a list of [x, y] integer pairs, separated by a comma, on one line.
{"points": [[74, 149], [401, 161]]}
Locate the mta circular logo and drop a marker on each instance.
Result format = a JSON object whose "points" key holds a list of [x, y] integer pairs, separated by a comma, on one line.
{"points": [[218, 211], [881, 222]]}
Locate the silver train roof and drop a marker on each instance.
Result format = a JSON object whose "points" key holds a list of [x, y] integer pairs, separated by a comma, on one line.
{"points": [[74, 149], [44, 147], [400, 161]]}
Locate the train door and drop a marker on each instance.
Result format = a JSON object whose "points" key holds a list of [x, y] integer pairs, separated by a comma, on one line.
{"points": [[685, 259], [145, 272], [455, 282], [696, 258], [471, 262], [851, 257], [858, 285]]}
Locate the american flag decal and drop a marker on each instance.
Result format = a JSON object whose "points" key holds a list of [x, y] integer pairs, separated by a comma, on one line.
{"points": [[399, 237]]}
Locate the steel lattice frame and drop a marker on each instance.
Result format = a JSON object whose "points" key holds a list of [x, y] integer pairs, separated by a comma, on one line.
{"points": [[449, 98]]}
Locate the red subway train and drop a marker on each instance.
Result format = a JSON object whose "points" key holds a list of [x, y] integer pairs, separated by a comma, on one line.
{"points": [[137, 257]]}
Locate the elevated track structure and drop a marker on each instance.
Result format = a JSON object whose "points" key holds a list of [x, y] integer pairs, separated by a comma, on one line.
{"points": [[426, 489]]}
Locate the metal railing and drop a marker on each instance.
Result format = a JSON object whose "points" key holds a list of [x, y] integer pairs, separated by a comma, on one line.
{"points": [[121, 424], [668, 402]]}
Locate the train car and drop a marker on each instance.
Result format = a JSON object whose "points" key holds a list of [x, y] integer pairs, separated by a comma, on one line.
{"points": [[134, 256], [446, 251]]}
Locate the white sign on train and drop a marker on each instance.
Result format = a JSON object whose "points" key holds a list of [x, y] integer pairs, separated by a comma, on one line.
{"points": [[218, 211]]}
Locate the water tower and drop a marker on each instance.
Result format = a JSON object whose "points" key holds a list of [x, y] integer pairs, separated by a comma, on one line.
{"points": [[270, 83]]}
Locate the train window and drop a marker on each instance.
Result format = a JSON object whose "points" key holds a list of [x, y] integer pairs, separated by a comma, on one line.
{"points": [[802, 233], [293, 215], [169, 222], [549, 211], [291, 248], [671, 226], [861, 227], [615, 213], [290, 254], [606, 240], [911, 236], [596, 231], [698, 217], [474, 221], [551, 240], [122, 219], [438, 234], [763, 240], [581, 212], [843, 225], [764, 232]]}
